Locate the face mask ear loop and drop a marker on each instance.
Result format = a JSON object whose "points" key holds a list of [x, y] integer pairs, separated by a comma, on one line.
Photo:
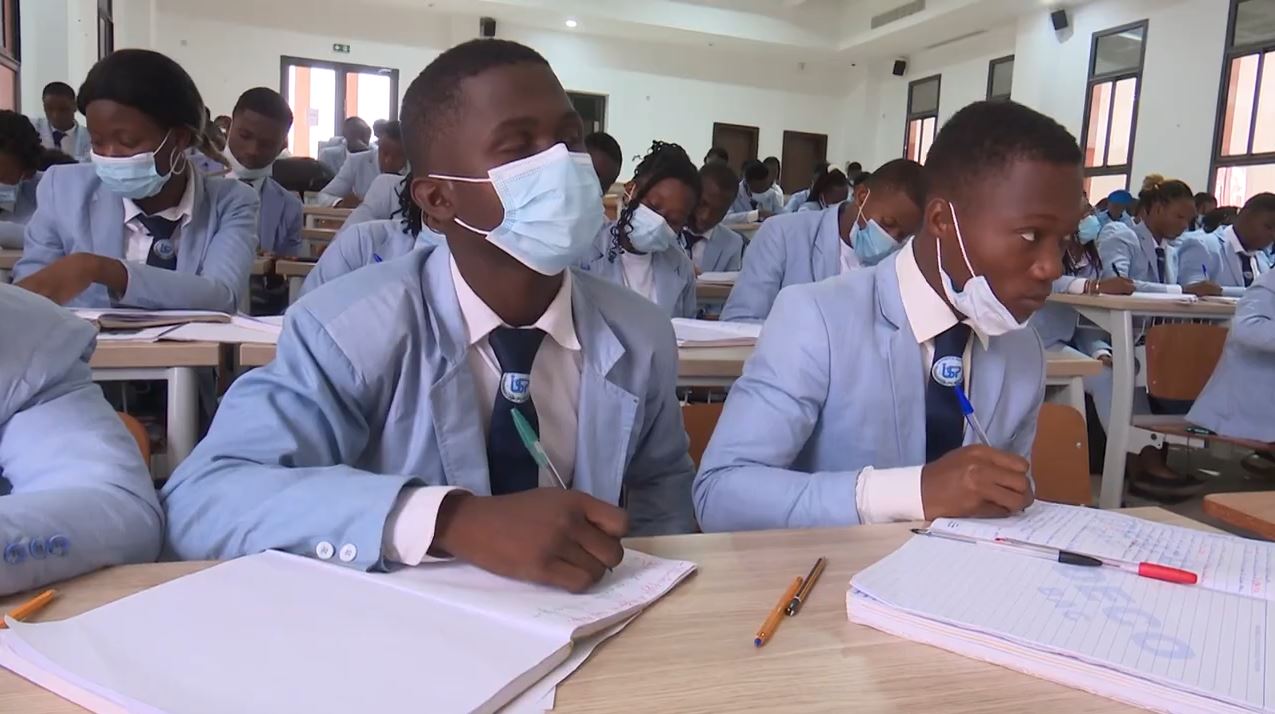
{"points": [[960, 241]]}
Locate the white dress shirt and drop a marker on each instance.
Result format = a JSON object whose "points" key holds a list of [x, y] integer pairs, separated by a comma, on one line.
{"points": [[70, 138], [697, 250], [638, 273], [885, 495], [1233, 244], [137, 241], [555, 389], [849, 259]]}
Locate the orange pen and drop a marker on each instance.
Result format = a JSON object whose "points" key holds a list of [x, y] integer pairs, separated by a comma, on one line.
{"points": [[776, 615], [30, 607]]}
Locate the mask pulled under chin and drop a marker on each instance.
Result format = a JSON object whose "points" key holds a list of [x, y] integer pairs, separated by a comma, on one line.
{"points": [[984, 311]]}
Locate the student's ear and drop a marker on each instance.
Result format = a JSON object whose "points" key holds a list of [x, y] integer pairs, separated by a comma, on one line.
{"points": [[860, 194], [630, 188], [938, 220], [436, 198]]}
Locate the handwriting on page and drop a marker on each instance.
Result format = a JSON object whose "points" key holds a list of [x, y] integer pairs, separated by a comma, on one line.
{"points": [[636, 581], [1223, 562]]}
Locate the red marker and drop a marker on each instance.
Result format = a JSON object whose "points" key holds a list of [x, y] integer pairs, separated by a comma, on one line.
{"points": [[1146, 570]]}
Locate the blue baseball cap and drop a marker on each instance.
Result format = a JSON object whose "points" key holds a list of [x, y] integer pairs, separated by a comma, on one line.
{"points": [[1120, 196]]}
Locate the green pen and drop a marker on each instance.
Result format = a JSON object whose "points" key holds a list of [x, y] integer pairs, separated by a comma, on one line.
{"points": [[534, 447]]}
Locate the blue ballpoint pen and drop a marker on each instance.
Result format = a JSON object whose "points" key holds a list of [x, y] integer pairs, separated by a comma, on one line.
{"points": [[376, 258], [968, 410]]}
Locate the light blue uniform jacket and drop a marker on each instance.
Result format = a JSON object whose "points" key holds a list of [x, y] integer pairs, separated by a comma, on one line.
{"points": [[280, 224], [796, 200], [13, 224], [334, 156], [772, 201], [791, 249], [1208, 256], [836, 384], [81, 150], [723, 251], [1130, 253], [1059, 324], [371, 391], [1238, 399], [1104, 218], [381, 200], [355, 177], [74, 493], [77, 214], [360, 245], [674, 274]]}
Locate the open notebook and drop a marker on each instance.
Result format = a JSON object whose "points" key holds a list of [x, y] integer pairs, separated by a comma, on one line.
{"points": [[279, 633], [1171, 648], [711, 333], [129, 319]]}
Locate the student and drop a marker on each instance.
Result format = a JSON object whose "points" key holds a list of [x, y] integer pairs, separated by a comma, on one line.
{"points": [[20, 155], [810, 246], [222, 122], [829, 190], [716, 153], [1235, 257], [1219, 218], [354, 179], [754, 200], [74, 493], [58, 128], [776, 173], [845, 413], [1144, 252], [853, 169], [258, 132], [378, 129], [382, 426], [1237, 400], [381, 201], [799, 198], [1117, 207], [607, 158], [354, 139], [640, 250], [713, 247], [1204, 203], [138, 227]]}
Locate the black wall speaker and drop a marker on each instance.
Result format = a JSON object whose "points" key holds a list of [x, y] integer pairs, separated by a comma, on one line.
{"points": [[1059, 18], [487, 27], [900, 66]]}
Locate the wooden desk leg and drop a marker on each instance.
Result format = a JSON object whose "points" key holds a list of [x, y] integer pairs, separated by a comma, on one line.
{"points": [[5, 276], [294, 288], [1118, 429], [183, 414]]}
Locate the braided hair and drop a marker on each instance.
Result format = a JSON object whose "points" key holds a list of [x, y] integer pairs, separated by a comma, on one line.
{"points": [[663, 161], [410, 213]]}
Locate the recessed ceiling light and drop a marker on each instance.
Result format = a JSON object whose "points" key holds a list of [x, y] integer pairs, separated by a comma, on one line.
{"points": [[572, 23]]}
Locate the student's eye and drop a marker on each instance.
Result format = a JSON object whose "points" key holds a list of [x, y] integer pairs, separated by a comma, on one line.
{"points": [[1028, 235]]}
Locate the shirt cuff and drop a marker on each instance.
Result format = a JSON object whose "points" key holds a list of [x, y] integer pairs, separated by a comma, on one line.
{"points": [[1101, 352], [409, 530], [1173, 289], [889, 495], [753, 216], [1077, 287]]}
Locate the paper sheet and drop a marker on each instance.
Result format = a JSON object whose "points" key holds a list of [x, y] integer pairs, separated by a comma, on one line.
{"points": [[540, 697], [1166, 297], [94, 313], [239, 330], [146, 334], [711, 278], [713, 333]]}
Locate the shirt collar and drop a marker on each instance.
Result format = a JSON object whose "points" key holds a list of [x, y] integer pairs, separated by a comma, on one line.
{"points": [[557, 321], [928, 314], [1233, 242], [184, 209]]}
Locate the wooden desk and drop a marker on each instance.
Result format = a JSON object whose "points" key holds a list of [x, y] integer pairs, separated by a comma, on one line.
{"points": [[1253, 511], [1067, 373], [712, 292], [171, 362], [338, 214], [693, 650], [8, 259], [295, 271], [1115, 315], [747, 230], [313, 238], [262, 265]]}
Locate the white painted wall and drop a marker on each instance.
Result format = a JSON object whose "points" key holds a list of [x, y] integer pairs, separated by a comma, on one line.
{"points": [[60, 44]]}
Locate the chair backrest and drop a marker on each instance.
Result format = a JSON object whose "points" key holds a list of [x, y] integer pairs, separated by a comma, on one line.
{"points": [[700, 420], [1060, 456], [1181, 357], [139, 435]]}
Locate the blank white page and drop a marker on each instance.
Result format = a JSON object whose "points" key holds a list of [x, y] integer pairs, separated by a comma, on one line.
{"points": [[715, 333]]}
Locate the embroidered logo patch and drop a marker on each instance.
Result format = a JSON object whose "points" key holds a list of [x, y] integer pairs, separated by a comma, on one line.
{"points": [[516, 387], [948, 371]]}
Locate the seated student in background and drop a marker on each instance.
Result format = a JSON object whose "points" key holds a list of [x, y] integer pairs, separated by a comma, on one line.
{"points": [[20, 155], [829, 190], [754, 201], [809, 246], [716, 154], [74, 493], [846, 413], [1116, 210], [258, 132], [641, 250], [1237, 400], [776, 173], [381, 200], [354, 179], [139, 227], [382, 431], [1219, 218], [378, 130], [58, 128], [607, 158], [854, 168], [797, 199], [1235, 257], [713, 247], [355, 138], [1204, 204], [1144, 252]]}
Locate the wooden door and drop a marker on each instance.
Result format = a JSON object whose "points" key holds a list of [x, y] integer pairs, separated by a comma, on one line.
{"points": [[802, 151], [738, 140]]}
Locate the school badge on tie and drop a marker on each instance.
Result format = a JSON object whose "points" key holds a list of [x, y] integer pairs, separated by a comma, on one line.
{"points": [[164, 249], [948, 371], [516, 387]]}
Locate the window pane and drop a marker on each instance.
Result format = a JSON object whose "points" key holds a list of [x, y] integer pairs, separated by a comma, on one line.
{"points": [[1097, 187], [1122, 122], [1237, 184], [1002, 78], [1264, 132], [927, 137], [913, 148], [1254, 22], [1096, 137], [312, 97], [1239, 105], [373, 94], [1118, 51], [925, 97]]}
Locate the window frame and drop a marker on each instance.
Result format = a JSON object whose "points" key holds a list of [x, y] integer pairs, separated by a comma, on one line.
{"points": [[1231, 52], [991, 73], [912, 116], [11, 52], [1114, 78], [105, 17]]}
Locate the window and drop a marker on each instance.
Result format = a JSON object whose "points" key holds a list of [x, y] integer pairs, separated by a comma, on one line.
{"points": [[592, 109], [105, 28], [324, 94], [10, 55], [1244, 142], [1000, 78], [923, 117], [1111, 106]]}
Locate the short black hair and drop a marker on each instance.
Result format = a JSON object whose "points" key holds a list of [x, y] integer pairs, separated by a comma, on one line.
{"points": [[58, 89], [717, 152], [663, 161], [903, 175], [720, 175], [266, 102], [54, 157], [1202, 198], [432, 100], [755, 170], [821, 168], [769, 159], [1260, 203], [19, 139], [149, 82], [392, 129], [1219, 217], [854, 167], [984, 137], [1156, 189], [860, 177], [830, 179], [604, 142]]}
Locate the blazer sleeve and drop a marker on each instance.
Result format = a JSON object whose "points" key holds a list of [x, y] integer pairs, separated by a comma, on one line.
{"points": [[760, 277], [1254, 324], [1194, 259], [745, 481], [735, 254], [349, 251], [342, 184], [1116, 253], [42, 243], [288, 242], [687, 303], [272, 471]]}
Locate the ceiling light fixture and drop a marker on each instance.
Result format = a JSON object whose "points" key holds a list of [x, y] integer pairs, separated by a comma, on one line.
{"points": [[572, 23]]}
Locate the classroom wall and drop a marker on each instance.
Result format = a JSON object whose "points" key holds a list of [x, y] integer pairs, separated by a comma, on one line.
{"points": [[59, 44]]}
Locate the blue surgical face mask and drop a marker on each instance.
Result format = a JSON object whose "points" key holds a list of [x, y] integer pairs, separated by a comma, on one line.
{"points": [[650, 233], [239, 171], [1087, 232], [133, 176], [871, 242], [552, 211]]}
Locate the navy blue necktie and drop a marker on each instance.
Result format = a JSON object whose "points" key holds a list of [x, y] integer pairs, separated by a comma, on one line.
{"points": [[1246, 268], [944, 422], [509, 465], [58, 136], [163, 252], [1160, 263]]}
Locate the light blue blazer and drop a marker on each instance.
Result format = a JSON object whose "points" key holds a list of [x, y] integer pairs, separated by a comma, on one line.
{"points": [[772, 201], [77, 214], [363, 244], [74, 493], [80, 151], [723, 251], [380, 202], [13, 224], [1059, 324], [791, 249], [371, 392], [1238, 397], [1130, 253], [795, 200], [334, 156], [674, 274], [836, 384], [355, 177], [1208, 256], [280, 224]]}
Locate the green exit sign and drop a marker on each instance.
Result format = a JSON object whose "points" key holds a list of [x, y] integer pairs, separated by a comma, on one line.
{"points": [[343, 49]]}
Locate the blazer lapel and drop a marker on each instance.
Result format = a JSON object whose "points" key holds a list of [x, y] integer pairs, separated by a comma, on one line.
{"points": [[194, 238], [903, 355], [106, 224], [712, 252], [668, 279], [1147, 241], [987, 369], [825, 258]]}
